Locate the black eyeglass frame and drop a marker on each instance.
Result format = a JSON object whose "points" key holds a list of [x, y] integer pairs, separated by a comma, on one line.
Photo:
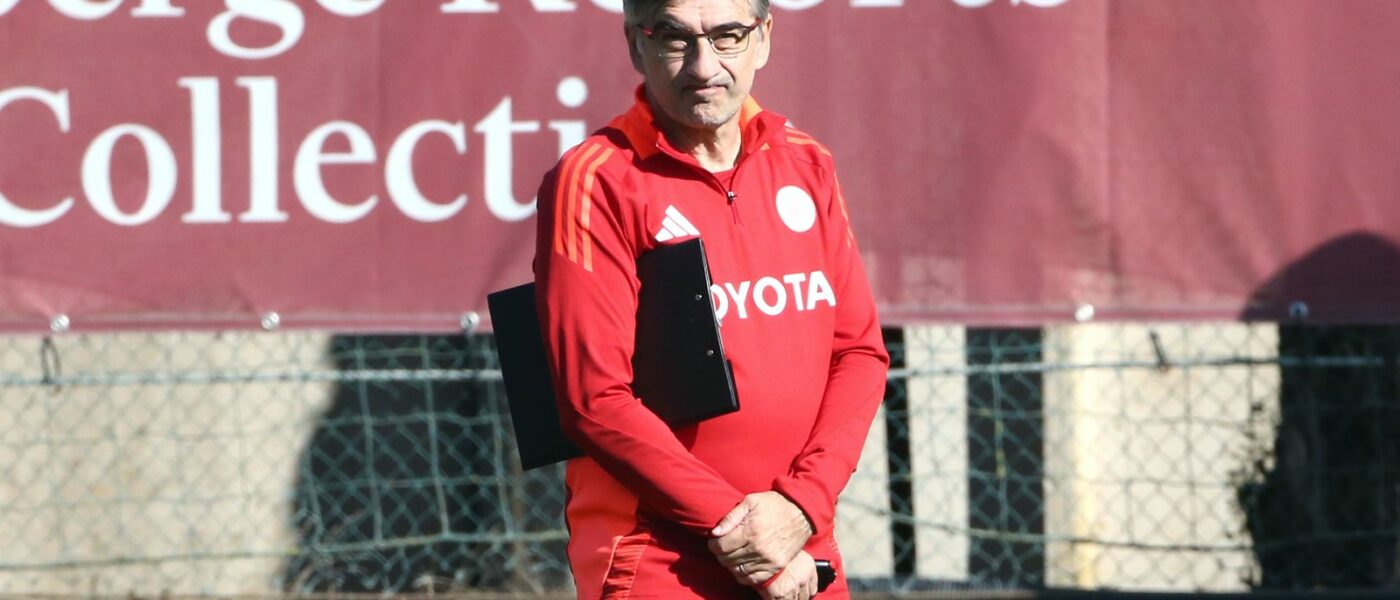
{"points": [[744, 32]]}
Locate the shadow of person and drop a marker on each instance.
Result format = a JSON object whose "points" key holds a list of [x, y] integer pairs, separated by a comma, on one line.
{"points": [[1321, 507], [408, 483]]}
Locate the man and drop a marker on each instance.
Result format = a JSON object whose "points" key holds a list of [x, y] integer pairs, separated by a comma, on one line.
{"points": [[739, 505]]}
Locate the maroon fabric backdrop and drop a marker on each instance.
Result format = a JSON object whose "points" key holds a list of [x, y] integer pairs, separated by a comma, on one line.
{"points": [[182, 163]]}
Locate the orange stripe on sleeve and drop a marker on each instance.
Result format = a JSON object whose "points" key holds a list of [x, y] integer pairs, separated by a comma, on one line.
{"points": [[586, 239], [795, 136], [571, 237], [841, 201], [807, 141], [561, 198]]}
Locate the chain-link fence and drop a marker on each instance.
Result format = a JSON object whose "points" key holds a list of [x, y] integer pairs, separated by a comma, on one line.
{"points": [[1218, 457]]}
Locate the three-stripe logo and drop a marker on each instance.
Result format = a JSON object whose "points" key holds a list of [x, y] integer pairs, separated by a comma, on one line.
{"points": [[675, 226]]}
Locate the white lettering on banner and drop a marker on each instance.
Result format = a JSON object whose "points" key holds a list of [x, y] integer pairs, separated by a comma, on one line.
{"points": [[263, 152], [290, 19], [57, 102], [279, 13], [398, 172], [157, 8], [612, 6], [86, 10], [490, 6], [351, 8], [1035, 3], [498, 127], [306, 171], [470, 6], [160, 170], [806, 4], [770, 297], [205, 132], [572, 93], [206, 160], [796, 4]]}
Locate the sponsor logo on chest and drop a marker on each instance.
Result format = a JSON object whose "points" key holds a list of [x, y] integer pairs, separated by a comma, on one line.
{"points": [[772, 296]]}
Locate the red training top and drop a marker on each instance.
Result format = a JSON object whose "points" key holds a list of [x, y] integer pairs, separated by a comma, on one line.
{"points": [[798, 322]]}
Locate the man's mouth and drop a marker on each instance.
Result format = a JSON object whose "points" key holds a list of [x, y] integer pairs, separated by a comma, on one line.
{"points": [[705, 90]]}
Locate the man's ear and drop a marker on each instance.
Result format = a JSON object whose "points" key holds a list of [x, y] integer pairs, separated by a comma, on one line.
{"points": [[634, 51], [765, 44]]}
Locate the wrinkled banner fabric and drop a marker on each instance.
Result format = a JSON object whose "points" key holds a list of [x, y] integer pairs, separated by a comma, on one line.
{"points": [[371, 165]]}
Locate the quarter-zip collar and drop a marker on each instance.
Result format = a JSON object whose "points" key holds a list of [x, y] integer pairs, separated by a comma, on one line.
{"points": [[759, 129]]}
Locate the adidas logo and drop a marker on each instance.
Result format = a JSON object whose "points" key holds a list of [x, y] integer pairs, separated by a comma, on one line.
{"points": [[675, 226]]}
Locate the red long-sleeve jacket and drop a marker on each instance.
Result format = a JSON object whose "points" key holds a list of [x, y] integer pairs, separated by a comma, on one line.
{"points": [[798, 323]]}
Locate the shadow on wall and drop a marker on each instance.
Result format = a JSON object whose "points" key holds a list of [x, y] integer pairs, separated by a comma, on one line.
{"points": [[1322, 507], [411, 485]]}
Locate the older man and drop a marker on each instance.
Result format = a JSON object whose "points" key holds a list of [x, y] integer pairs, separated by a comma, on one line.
{"points": [[739, 505]]}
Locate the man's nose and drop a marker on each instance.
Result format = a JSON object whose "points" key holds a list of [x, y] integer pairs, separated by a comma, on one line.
{"points": [[702, 64]]}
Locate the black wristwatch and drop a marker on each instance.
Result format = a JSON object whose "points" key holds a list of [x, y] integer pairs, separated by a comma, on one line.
{"points": [[826, 574]]}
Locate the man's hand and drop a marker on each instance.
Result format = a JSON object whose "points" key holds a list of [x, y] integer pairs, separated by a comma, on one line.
{"points": [[797, 582], [760, 536]]}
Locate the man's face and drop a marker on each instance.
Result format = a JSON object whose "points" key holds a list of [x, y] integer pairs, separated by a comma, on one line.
{"points": [[702, 89]]}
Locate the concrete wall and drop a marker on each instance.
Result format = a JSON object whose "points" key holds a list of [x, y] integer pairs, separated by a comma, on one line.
{"points": [[131, 480], [938, 449], [150, 485], [862, 513], [1144, 460], [1141, 462]]}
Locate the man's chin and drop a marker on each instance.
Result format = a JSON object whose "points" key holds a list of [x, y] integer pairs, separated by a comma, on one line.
{"points": [[708, 117]]}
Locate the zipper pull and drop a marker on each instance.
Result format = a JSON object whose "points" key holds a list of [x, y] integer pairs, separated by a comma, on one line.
{"points": [[731, 196]]}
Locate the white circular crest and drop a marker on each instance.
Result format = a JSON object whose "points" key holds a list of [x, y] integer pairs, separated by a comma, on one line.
{"points": [[796, 208]]}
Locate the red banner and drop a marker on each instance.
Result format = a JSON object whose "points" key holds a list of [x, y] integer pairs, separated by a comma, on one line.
{"points": [[367, 165]]}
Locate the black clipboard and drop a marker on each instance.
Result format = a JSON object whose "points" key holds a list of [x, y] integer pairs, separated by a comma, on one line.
{"points": [[679, 367]]}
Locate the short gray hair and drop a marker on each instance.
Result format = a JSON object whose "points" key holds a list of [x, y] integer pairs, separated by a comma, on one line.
{"points": [[633, 11]]}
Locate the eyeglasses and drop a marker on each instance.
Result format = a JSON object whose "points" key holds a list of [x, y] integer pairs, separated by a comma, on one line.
{"points": [[727, 41]]}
